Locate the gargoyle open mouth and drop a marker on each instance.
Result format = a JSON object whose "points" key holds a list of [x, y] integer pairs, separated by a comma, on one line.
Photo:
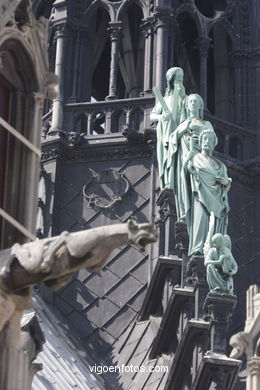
{"points": [[142, 235]]}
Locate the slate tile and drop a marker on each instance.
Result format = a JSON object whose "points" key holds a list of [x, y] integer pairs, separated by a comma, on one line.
{"points": [[100, 342], [133, 341], [132, 201], [75, 208], [141, 213], [68, 193], [101, 311], [83, 274], [64, 307], [101, 282], [135, 169], [77, 295], [142, 377], [81, 324], [136, 302], [119, 345], [124, 291], [67, 222], [140, 272], [142, 187], [87, 212], [125, 261], [120, 322], [143, 347]]}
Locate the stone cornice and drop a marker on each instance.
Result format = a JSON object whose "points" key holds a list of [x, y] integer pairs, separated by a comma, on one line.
{"points": [[92, 150]]}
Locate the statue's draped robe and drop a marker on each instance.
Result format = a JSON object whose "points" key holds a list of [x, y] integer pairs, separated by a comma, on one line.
{"points": [[207, 196], [179, 147], [164, 130]]}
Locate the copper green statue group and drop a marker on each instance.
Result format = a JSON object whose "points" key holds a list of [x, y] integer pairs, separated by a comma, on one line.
{"points": [[185, 142]]}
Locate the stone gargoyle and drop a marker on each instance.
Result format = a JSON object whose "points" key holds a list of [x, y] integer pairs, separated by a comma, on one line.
{"points": [[53, 260]]}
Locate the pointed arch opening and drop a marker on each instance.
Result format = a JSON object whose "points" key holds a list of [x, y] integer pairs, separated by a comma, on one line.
{"points": [[220, 75], [18, 162], [98, 57], [209, 7], [131, 54], [186, 53]]}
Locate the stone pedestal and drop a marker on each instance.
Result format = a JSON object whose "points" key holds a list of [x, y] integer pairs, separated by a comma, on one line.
{"points": [[166, 220], [196, 276], [220, 309], [182, 244]]}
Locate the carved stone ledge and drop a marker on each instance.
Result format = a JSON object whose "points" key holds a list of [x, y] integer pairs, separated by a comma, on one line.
{"points": [[84, 151], [219, 308], [166, 267], [220, 372]]}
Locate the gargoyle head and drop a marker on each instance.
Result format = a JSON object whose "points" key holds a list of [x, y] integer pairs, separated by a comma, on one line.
{"points": [[141, 234]]}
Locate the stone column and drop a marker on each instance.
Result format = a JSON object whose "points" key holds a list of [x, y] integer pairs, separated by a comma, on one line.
{"points": [[57, 109], [115, 32], [76, 41], [236, 63], [253, 382], [203, 45], [162, 21], [148, 30]]}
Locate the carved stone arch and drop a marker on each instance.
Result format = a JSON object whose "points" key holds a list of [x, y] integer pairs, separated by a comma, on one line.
{"points": [[220, 75], [195, 15], [127, 3], [42, 8], [215, 9], [188, 31], [220, 147], [229, 29], [16, 53], [89, 12]]}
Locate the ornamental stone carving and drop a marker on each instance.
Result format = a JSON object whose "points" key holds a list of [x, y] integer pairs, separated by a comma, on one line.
{"points": [[106, 189]]}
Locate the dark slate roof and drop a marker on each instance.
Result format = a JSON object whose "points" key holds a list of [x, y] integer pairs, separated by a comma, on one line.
{"points": [[100, 306], [65, 367], [133, 350]]}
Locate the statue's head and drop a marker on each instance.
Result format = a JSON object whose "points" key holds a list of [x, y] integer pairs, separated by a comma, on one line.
{"points": [[173, 75], [218, 240], [227, 241], [194, 102], [208, 141]]}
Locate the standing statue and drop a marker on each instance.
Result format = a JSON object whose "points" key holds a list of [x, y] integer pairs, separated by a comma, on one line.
{"points": [[168, 114], [179, 149], [220, 265], [209, 185]]}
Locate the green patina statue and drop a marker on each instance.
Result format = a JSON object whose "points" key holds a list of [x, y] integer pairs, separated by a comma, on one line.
{"points": [[168, 114], [220, 265], [209, 185], [180, 148], [185, 142]]}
